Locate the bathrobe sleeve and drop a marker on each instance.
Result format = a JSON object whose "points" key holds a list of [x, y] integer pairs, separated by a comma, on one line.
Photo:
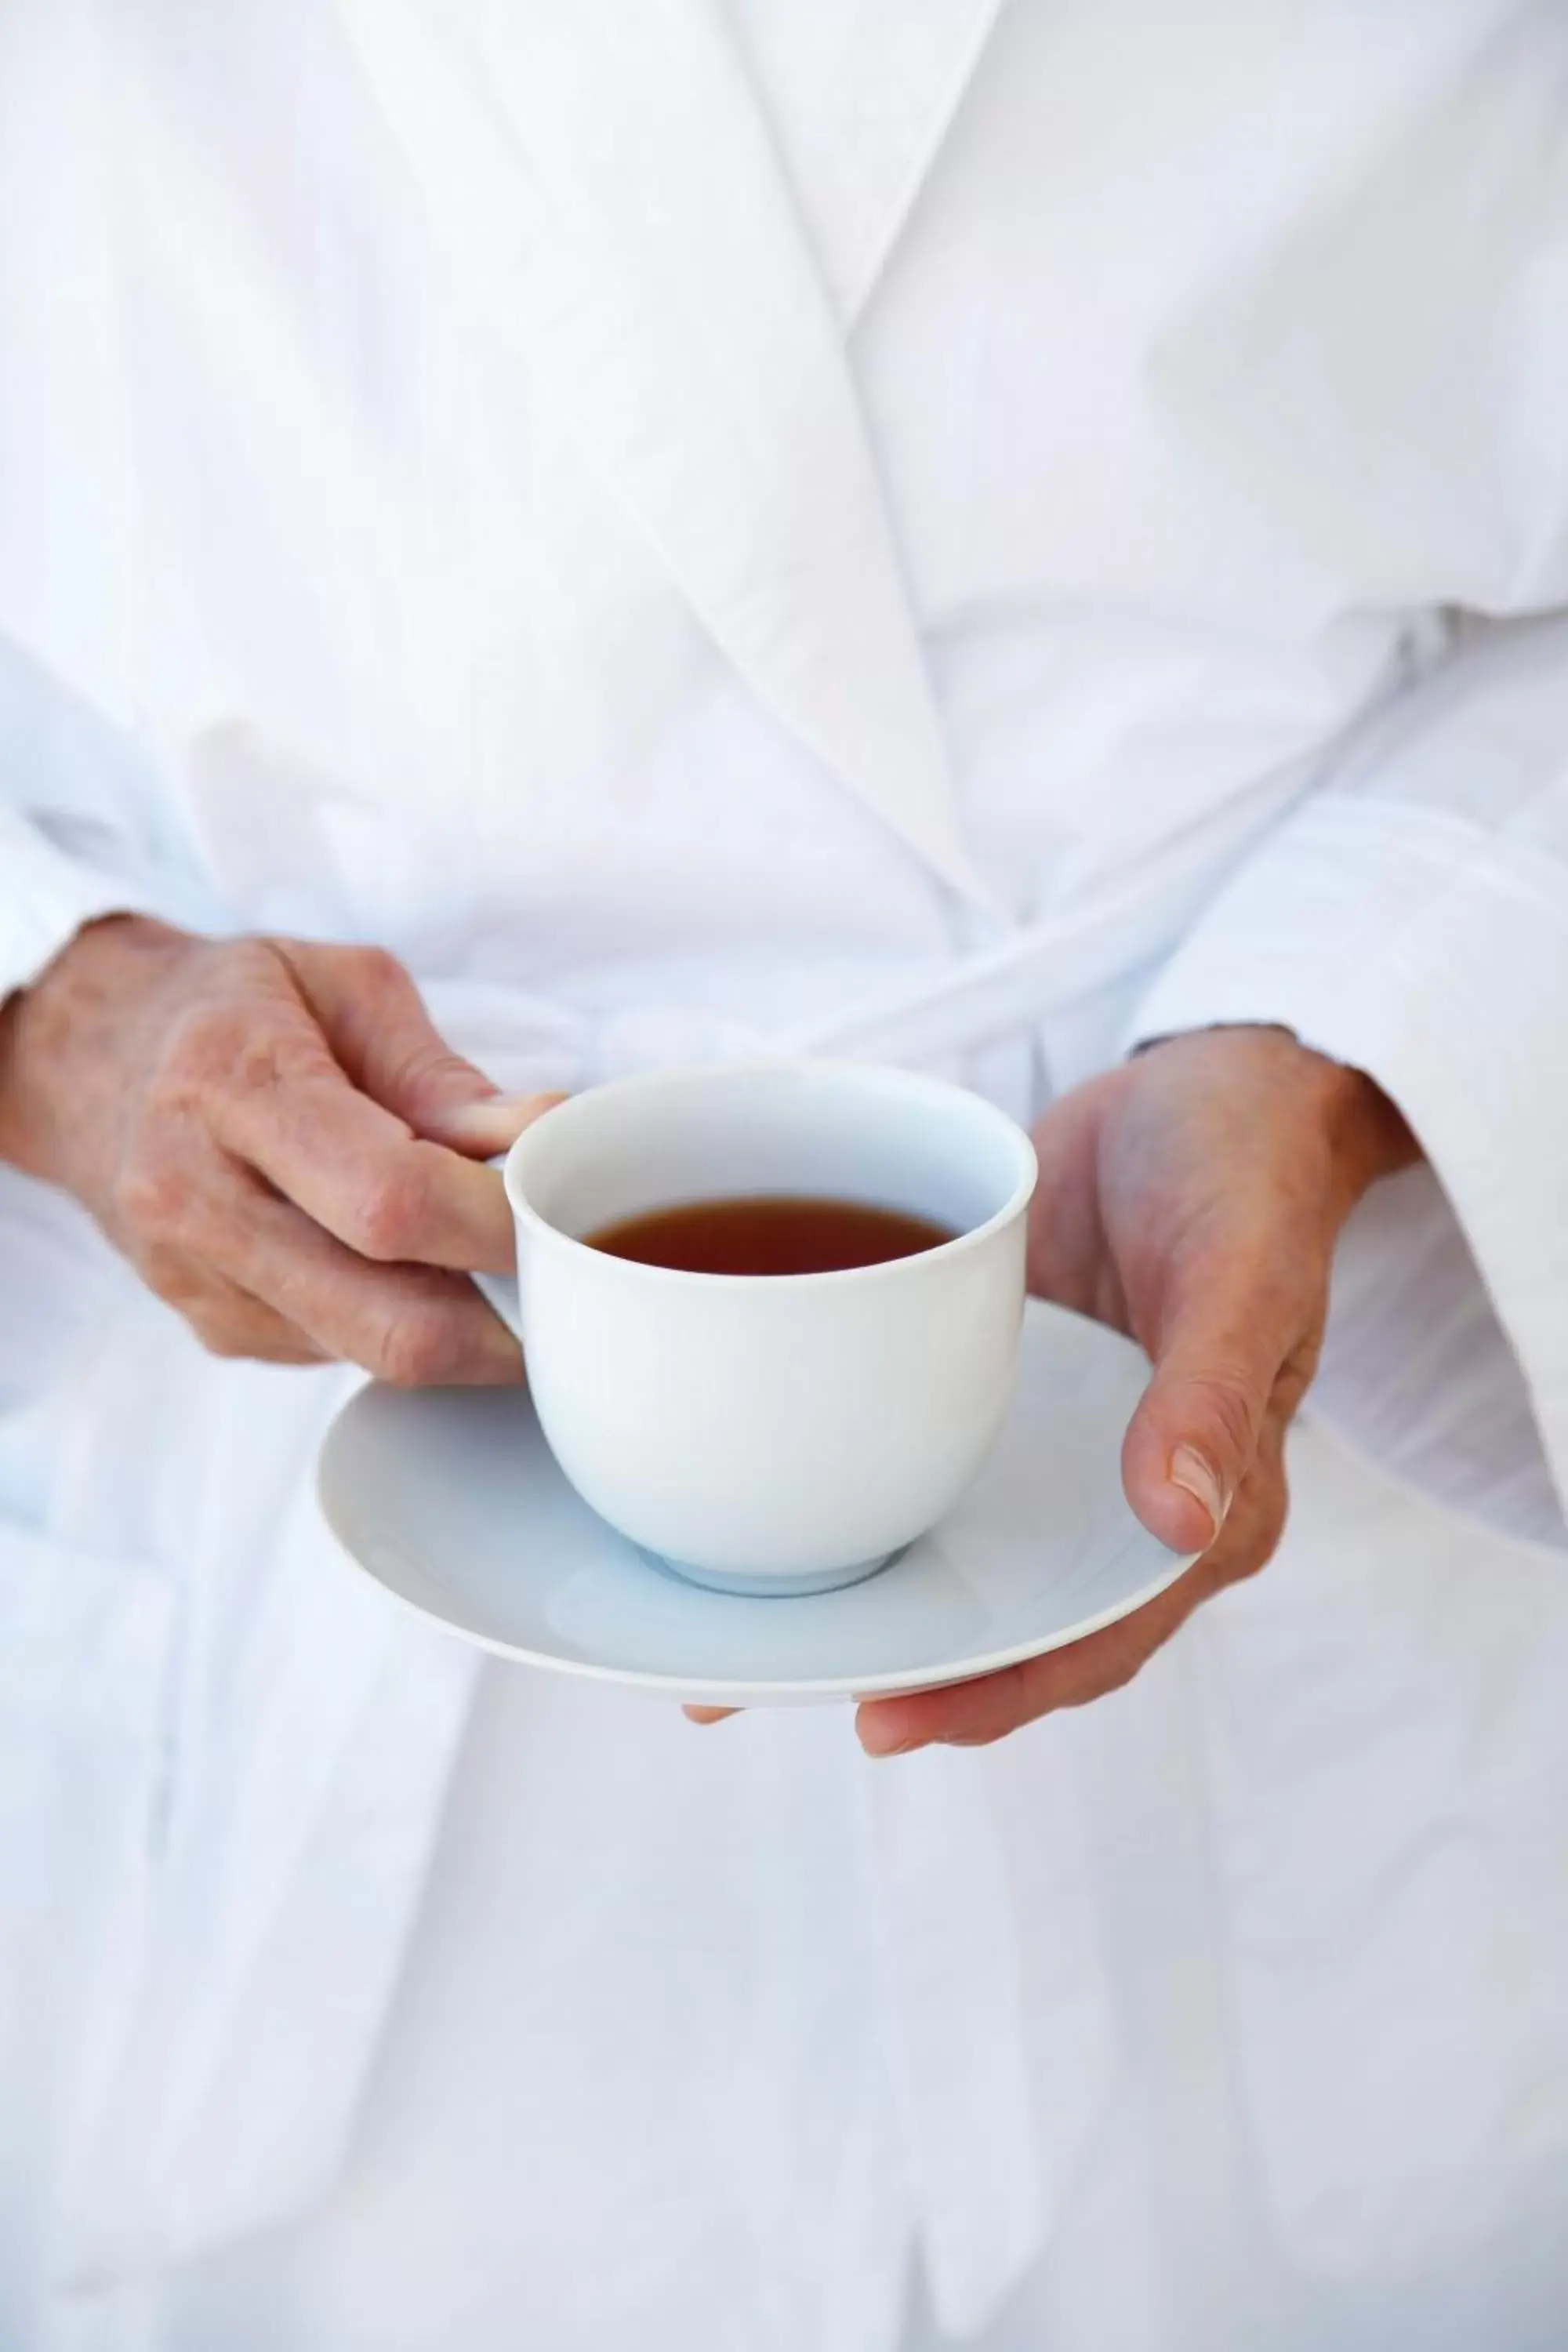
{"points": [[45, 897], [82, 831], [1410, 918]]}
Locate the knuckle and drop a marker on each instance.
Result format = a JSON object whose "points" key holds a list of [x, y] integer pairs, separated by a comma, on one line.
{"points": [[1230, 1407], [391, 1214], [181, 1075], [221, 1049], [429, 1066], [241, 1027], [253, 966], [262, 1057], [151, 1194], [374, 974]]}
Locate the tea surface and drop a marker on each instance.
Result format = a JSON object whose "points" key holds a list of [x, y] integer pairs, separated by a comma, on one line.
{"points": [[769, 1233]]}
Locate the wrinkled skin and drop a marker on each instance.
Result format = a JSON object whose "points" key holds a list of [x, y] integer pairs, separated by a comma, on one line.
{"points": [[1191, 1198], [286, 1150], [277, 1140]]}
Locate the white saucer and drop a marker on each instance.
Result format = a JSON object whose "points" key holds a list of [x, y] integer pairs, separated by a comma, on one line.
{"points": [[452, 1500]]}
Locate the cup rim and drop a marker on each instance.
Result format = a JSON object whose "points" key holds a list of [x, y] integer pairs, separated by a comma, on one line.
{"points": [[885, 1075]]}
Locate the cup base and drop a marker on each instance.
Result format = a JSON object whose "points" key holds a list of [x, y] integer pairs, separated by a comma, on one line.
{"points": [[771, 1587]]}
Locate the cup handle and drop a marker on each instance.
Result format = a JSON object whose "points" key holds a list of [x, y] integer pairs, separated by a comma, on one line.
{"points": [[500, 1291]]}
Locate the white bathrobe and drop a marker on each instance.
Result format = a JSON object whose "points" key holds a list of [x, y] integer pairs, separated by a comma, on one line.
{"points": [[965, 531]]}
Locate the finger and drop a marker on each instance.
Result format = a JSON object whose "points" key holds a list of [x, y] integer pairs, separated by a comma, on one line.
{"points": [[1256, 1520], [973, 1713], [1235, 1313], [708, 1714], [226, 1318], [375, 1023], [281, 1104], [488, 1129], [1070, 1261], [230, 1324], [415, 1326]]}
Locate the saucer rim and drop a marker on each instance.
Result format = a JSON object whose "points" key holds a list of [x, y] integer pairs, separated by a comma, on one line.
{"points": [[708, 1690], [773, 1690]]}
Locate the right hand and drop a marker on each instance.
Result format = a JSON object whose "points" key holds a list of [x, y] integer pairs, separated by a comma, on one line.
{"points": [[276, 1138]]}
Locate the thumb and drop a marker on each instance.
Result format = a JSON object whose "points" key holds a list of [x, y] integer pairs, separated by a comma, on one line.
{"points": [[1194, 1435], [482, 1129], [373, 1018]]}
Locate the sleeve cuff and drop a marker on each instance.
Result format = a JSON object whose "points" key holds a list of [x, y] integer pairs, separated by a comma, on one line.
{"points": [[1433, 955], [47, 896]]}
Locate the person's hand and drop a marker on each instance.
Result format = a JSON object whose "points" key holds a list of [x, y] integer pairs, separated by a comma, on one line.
{"points": [[1191, 1198], [277, 1140]]}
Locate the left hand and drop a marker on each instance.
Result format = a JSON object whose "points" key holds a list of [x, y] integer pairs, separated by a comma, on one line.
{"points": [[1191, 1198]]}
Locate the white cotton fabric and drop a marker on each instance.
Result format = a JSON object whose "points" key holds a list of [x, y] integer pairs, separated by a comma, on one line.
{"points": [[950, 534]]}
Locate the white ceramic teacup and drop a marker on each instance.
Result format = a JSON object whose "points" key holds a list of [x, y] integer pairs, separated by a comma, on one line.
{"points": [[770, 1434]]}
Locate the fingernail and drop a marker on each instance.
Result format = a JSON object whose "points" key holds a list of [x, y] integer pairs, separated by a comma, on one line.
{"points": [[498, 1121], [1197, 1478]]}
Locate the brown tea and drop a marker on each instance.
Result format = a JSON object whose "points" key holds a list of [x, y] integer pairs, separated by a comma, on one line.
{"points": [[769, 1233]]}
